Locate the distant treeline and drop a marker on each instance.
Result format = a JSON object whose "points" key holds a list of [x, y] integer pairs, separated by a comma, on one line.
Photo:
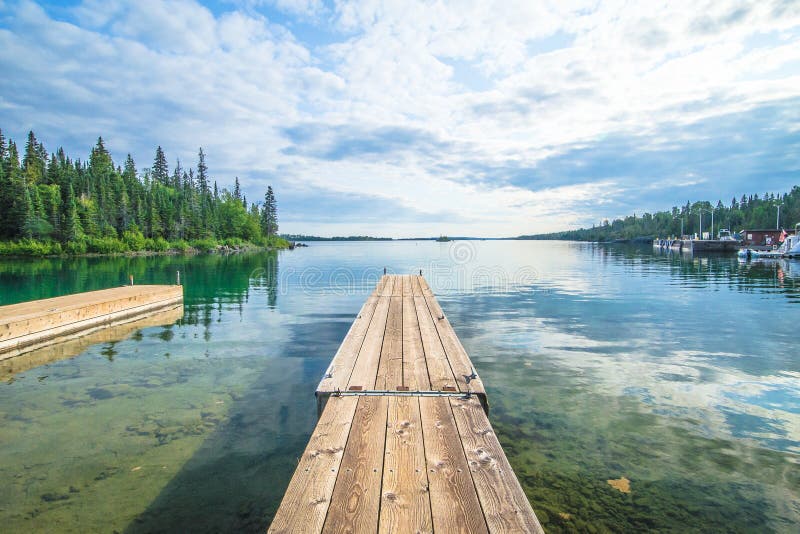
{"points": [[750, 211], [301, 237], [51, 204]]}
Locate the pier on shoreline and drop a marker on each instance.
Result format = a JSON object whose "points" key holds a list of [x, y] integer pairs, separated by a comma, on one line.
{"points": [[403, 442]]}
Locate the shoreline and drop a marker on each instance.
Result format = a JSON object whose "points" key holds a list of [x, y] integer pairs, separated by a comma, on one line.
{"points": [[190, 251]]}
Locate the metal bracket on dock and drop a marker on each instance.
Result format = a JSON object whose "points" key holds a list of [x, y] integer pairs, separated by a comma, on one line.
{"points": [[400, 393], [323, 396]]}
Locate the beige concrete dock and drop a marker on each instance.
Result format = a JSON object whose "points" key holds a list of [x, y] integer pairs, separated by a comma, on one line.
{"points": [[403, 443], [32, 325]]}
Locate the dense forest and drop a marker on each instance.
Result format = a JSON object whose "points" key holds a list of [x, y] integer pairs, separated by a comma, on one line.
{"points": [[749, 211], [52, 204]]}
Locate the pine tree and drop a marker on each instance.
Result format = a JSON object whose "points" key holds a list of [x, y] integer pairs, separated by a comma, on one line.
{"points": [[5, 190], [237, 191], [202, 185], [160, 170], [32, 164], [269, 215], [71, 226]]}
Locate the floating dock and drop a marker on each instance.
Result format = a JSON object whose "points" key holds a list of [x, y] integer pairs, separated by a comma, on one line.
{"points": [[403, 442], [697, 245], [32, 325]]}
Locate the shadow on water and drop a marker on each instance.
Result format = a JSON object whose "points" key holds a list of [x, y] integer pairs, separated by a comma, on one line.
{"points": [[234, 482]]}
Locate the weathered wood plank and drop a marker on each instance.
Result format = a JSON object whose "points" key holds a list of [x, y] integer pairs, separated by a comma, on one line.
{"points": [[415, 369], [424, 287], [306, 502], [340, 369], [405, 499], [390, 368], [397, 290], [416, 289], [356, 498], [439, 371], [407, 286], [454, 501], [366, 367], [504, 504], [388, 286], [459, 360]]}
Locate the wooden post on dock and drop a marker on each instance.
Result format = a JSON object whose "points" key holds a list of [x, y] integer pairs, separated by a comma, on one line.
{"points": [[403, 442]]}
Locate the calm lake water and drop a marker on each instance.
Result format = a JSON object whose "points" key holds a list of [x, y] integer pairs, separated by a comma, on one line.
{"points": [[679, 374]]}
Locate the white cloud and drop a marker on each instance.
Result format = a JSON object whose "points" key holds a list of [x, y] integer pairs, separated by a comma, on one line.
{"points": [[554, 77]]}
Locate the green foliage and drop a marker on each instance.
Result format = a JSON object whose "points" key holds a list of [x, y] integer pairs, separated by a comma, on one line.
{"points": [[77, 246], [30, 247], [204, 245], [96, 207], [751, 212], [105, 245], [134, 240], [159, 244]]}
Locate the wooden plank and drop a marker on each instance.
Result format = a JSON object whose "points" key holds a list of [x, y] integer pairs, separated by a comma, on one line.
{"points": [[405, 499], [439, 372], [366, 367], [505, 505], [356, 498], [306, 502], [415, 368], [390, 368], [388, 285], [407, 286], [454, 501], [460, 363], [424, 287], [416, 289], [340, 369], [397, 290]]}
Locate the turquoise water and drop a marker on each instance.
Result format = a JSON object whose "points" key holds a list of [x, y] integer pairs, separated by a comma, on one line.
{"points": [[678, 374]]}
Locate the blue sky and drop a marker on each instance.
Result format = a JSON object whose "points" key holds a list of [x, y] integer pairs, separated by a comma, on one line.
{"points": [[403, 118]]}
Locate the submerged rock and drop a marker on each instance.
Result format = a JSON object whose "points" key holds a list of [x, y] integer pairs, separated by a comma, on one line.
{"points": [[52, 496], [622, 484]]}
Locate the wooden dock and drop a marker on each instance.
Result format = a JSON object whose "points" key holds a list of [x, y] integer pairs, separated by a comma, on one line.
{"points": [[32, 325], [403, 443]]}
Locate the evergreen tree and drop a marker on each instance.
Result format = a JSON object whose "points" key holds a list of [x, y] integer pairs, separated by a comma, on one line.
{"points": [[32, 163], [160, 170], [5, 189], [269, 215], [71, 226], [204, 194], [237, 191]]}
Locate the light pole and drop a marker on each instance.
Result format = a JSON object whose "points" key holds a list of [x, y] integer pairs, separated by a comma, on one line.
{"points": [[700, 232], [700, 212], [778, 220], [712, 222]]}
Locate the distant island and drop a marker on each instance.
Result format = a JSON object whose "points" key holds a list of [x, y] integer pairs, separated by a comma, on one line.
{"points": [[749, 211], [301, 237], [52, 204]]}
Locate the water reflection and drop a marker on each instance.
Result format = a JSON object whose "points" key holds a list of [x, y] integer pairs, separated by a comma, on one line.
{"points": [[678, 373]]}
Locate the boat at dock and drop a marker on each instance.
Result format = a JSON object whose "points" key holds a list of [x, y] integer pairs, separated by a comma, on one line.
{"points": [[725, 242], [789, 248]]}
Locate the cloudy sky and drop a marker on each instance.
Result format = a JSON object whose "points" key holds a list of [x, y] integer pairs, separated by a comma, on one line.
{"points": [[406, 119]]}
